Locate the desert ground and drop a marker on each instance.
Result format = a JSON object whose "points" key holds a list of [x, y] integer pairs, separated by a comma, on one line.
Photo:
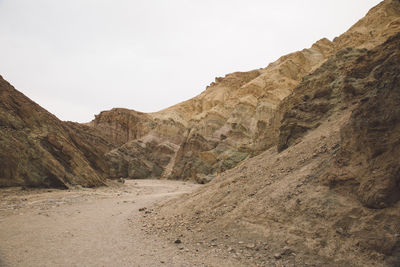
{"points": [[94, 227]]}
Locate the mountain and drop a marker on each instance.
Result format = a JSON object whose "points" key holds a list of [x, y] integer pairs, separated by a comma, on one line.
{"points": [[302, 157], [37, 149], [235, 118], [327, 194]]}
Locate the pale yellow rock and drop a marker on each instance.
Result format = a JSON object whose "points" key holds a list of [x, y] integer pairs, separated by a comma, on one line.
{"points": [[239, 111]]}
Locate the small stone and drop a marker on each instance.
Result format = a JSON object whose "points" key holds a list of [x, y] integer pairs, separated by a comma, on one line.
{"points": [[250, 246], [340, 231], [178, 241], [286, 250], [277, 256], [142, 209]]}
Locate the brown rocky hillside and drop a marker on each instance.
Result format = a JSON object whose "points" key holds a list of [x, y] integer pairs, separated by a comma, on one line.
{"points": [[37, 149], [328, 194], [237, 117], [302, 160]]}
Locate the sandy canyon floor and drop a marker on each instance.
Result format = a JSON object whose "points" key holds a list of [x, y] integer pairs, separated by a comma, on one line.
{"points": [[94, 227]]}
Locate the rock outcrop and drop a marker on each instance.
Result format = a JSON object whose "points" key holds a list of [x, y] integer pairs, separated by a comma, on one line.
{"points": [[367, 83], [121, 125], [37, 149]]}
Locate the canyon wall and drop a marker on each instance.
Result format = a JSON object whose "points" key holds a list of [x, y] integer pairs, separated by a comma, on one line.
{"points": [[238, 115], [37, 149]]}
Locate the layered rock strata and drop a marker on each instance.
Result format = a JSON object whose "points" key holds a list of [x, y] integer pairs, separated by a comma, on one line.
{"points": [[238, 115]]}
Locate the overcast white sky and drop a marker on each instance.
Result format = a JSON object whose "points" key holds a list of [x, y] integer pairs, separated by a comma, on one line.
{"points": [[79, 57]]}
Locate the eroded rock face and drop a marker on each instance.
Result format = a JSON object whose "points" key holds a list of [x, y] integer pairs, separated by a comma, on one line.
{"points": [[331, 194], [238, 116], [121, 125], [319, 94], [193, 158], [371, 140], [368, 82], [37, 149], [139, 160]]}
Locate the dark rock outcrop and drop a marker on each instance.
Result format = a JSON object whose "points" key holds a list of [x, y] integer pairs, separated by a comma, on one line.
{"points": [[368, 83], [37, 149]]}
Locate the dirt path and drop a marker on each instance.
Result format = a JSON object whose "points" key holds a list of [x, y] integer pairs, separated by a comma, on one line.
{"points": [[89, 227]]}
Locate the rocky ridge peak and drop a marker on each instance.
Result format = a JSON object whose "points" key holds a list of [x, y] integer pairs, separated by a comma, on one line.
{"points": [[237, 116]]}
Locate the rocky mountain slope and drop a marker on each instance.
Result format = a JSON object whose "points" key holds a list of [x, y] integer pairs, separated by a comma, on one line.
{"points": [[328, 193], [37, 149], [236, 117], [302, 156]]}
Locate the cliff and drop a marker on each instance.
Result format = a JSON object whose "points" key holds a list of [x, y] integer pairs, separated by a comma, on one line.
{"points": [[237, 116]]}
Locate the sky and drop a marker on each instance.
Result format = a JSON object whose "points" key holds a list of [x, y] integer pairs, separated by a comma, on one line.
{"points": [[76, 58]]}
